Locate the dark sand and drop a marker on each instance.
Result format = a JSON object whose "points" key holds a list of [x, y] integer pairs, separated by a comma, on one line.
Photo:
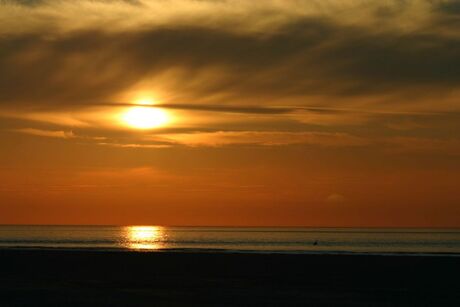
{"points": [[72, 278]]}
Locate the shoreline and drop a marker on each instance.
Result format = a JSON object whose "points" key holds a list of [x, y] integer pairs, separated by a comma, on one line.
{"points": [[72, 278], [226, 251]]}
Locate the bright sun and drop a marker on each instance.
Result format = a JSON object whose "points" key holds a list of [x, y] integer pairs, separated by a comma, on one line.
{"points": [[145, 117]]}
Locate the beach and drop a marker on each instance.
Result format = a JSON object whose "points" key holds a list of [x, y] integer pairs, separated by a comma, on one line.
{"points": [[103, 278]]}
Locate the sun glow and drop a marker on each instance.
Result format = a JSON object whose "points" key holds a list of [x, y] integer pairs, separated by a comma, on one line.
{"points": [[145, 117], [145, 101]]}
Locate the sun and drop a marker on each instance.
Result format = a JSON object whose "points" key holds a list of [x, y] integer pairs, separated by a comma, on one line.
{"points": [[145, 117]]}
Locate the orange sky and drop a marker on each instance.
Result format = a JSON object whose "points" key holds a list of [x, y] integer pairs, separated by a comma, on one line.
{"points": [[274, 113]]}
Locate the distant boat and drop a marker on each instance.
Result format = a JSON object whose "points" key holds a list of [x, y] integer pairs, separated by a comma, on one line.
{"points": [[316, 242]]}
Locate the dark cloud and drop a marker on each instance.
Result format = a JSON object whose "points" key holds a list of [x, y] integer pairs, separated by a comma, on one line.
{"points": [[27, 2], [83, 67], [450, 7], [414, 59]]}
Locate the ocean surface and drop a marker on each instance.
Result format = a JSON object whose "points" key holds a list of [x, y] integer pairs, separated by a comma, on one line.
{"points": [[262, 240]]}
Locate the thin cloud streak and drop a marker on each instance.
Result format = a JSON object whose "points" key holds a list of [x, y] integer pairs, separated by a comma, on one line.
{"points": [[265, 138], [147, 146], [47, 133]]}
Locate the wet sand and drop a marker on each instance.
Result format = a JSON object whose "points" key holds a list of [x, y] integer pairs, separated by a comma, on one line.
{"points": [[84, 278]]}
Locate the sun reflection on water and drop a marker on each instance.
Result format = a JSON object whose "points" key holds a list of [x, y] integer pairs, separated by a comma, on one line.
{"points": [[143, 237]]}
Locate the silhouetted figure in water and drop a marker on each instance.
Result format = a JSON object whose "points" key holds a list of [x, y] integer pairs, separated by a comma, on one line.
{"points": [[315, 243]]}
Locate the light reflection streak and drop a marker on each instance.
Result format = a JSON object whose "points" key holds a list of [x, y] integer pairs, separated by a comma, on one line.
{"points": [[143, 237]]}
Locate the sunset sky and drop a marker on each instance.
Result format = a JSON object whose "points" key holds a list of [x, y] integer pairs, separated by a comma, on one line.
{"points": [[230, 112]]}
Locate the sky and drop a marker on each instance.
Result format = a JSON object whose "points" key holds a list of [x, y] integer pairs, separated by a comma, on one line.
{"points": [[318, 113]]}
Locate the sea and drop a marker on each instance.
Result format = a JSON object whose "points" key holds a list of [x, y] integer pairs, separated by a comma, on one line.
{"points": [[234, 239]]}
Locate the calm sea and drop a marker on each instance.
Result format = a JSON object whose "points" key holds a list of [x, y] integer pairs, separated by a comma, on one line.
{"points": [[285, 240]]}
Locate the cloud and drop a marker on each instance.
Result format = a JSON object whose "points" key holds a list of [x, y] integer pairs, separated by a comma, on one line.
{"points": [[405, 125], [63, 134], [423, 145], [47, 133], [335, 198], [265, 138], [149, 146], [127, 176]]}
